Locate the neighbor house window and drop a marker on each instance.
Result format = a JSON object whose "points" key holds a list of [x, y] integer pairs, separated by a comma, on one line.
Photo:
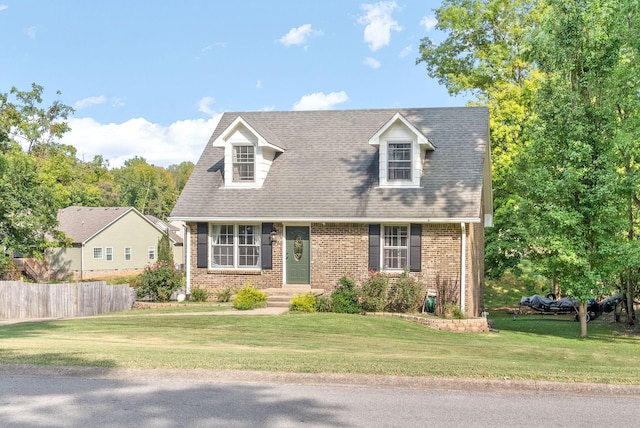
{"points": [[109, 254], [395, 247], [243, 163], [399, 161], [97, 252], [127, 253], [152, 253], [235, 246]]}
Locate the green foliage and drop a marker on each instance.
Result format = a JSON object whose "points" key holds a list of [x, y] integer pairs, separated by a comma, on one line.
{"points": [[345, 296], [224, 295], [250, 298], [303, 303], [405, 294], [452, 311], [158, 281], [324, 304], [199, 295], [165, 250], [373, 292]]}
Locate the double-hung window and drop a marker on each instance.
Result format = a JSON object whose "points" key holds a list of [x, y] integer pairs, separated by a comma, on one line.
{"points": [[97, 252], [109, 253], [399, 161], [235, 246], [152, 253], [243, 164], [395, 247]]}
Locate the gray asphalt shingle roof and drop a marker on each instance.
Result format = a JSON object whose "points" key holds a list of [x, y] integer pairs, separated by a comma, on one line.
{"points": [[329, 171], [81, 223]]}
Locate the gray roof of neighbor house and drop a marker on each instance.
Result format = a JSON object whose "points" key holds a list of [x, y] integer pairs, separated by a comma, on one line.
{"points": [[82, 223], [329, 171], [162, 225]]}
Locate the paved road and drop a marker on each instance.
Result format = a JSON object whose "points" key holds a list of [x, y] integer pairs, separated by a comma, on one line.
{"points": [[80, 398]]}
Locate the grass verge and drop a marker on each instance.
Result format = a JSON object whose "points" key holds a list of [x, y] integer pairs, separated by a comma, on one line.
{"points": [[525, 348]]}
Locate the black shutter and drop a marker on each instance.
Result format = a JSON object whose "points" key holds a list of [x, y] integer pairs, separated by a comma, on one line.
{"points": [[374, 246], [202, 246], [415, 250], [266, 247]]}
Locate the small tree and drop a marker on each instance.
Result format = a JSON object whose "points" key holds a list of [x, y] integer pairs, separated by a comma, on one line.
{"points": [[164, 248]]}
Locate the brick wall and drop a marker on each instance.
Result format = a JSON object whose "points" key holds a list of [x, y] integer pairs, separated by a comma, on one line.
{"points": [[339, 248]]}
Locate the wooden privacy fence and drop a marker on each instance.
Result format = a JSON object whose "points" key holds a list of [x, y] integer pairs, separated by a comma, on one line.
{"points": [[79, 299]]}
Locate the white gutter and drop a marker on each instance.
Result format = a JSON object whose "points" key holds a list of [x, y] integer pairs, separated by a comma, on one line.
{"points": [[308, 220], [463, 267], [187, 265]]}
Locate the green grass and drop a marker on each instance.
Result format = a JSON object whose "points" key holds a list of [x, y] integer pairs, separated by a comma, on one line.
{"points": [[526, 348]]}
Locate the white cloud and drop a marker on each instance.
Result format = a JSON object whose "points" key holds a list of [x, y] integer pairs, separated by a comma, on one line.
{"points": [[371, 62], [31, 32], [406, 51], [3, 7], [429, 22], [379, 23], [259, 84], [204, 106], [160, 145], [299, 35], [321, 101], [90, 101]]}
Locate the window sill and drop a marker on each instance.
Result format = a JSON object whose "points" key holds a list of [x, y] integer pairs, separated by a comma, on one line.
{"points": [[234, 271]]}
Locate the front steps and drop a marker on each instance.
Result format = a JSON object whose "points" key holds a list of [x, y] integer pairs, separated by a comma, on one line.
{"points": [[280, 297]]}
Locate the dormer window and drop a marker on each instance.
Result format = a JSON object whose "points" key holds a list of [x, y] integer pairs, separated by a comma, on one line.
{"points": [[399, 161], [401, 148], [247, 154], [243, 164]]}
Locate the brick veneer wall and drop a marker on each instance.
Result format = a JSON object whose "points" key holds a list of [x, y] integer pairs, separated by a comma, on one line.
{"points": [[339, 248]]}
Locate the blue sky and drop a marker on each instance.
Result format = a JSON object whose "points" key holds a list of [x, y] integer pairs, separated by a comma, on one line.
{"points": [[150, 78]]}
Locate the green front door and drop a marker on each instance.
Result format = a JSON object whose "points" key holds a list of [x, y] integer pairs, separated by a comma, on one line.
{"points": [[297, 254]]}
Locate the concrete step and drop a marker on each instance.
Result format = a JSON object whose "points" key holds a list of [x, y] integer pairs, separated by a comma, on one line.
{"points": [[280, 297]]}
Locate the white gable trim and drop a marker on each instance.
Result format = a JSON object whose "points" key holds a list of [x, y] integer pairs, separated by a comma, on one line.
{"points": [[222, 140], [420, 138]]}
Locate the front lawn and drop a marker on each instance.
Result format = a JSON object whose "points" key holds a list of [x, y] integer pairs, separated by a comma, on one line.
{"points": [[525, 348]]}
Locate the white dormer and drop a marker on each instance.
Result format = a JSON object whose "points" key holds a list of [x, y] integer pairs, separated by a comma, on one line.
{"points": [[247, 155], [402, 148]]}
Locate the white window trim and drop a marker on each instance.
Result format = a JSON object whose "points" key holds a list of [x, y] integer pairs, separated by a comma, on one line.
{"points": [[94, 253], [236, 246], [383, 246], [108, 254], [151, 251], [240, 182]]}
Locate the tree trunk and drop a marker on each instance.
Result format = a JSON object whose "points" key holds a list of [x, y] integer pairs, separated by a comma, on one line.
{"points": [[582, 311]]}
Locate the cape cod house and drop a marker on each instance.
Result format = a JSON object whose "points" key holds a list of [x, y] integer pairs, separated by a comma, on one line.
{"points": [[299, 198]]}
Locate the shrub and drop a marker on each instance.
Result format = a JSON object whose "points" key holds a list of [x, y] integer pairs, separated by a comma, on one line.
{"points": [[303, 303], [199, 295], [404, 295], [345, 296], [225, 294], [324, 304], [158, 281], [448, 292], [452, 311], [250, 298], [373, 292]]}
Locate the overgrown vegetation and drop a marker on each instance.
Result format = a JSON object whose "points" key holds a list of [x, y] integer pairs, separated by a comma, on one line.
{"points": [[224, 295], [158, 282], [199, 295], [405, 294], [250, 298], [373, 292], [345, 297]]}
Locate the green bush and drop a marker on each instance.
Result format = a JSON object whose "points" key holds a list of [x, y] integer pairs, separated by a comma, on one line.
{"points": [[303, 303], [345, 296], [250, 298], [225, 294], [199, 295], [324, 304], [373, 292], [158, 281], [404, 295]]}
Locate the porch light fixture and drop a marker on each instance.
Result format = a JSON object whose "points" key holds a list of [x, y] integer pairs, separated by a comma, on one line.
{"points": [[273, 235]]}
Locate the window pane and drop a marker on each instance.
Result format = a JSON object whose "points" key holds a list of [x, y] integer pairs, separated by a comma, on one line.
{"points": [[97, 253], [248, 246], [109, 254], [243, 163], [395, 247], [222, 248], [399, 161]]}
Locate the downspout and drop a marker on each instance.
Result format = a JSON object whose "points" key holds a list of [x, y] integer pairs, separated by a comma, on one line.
{"points": [[187, 266], [81, 261], [463, 268]]}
